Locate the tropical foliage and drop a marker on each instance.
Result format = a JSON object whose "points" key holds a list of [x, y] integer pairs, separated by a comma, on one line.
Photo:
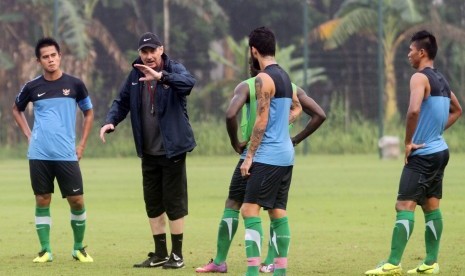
{"points": [[99, 39]]}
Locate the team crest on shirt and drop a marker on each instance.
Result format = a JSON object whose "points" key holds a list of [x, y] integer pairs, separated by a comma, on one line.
{"points": [[166, 86], [66, 92]]}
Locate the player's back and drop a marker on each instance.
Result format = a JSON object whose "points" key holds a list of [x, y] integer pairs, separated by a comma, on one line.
{"points": [[276, 146]]}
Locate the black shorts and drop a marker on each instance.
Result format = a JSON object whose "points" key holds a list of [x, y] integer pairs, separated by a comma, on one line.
{"points": [[422, 177], [238, 184], [165, 185], [67, 173], [268, 185]]}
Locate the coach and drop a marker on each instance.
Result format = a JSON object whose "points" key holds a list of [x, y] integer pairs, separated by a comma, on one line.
{"points": [[162, 136]]}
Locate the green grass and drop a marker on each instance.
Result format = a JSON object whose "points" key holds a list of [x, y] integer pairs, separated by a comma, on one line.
{"points": [[341, 211]]}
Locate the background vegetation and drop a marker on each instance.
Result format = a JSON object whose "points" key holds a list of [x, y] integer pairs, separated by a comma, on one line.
{"points": [[99, 39]]}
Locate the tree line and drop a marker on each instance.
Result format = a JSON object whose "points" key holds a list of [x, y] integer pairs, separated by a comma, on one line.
{"points": [[99, 41]]}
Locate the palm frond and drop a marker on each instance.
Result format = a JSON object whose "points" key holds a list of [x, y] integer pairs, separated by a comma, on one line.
{"points": [[362, 19], [350, 5], [406, 11], [100, 33], [313, 75], [205, 9], [326, 30], [73, 27], [218, 58]]}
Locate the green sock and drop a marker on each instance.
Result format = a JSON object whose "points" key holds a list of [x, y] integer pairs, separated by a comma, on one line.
{"points": [[403, 229], [226, 231], [433, 232], [78, 223], [283, 239], [253, 244], [271, 254], [43, 223]]}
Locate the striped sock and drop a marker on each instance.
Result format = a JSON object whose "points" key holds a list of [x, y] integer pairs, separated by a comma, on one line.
{"points": [[253, 244], [282, 242], [78, 224], [43, 223]]}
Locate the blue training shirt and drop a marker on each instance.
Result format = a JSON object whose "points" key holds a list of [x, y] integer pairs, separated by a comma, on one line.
{"points": [[54, 102], [433, 115], [276, 147]]}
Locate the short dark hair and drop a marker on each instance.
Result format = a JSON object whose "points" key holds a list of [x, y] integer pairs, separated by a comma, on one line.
{"points": [[425, 40], [263, 40], [44, 42]]}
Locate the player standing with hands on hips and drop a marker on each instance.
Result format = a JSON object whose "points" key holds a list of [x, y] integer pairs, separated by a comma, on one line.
{"points": [[52, 150], [270, 155], [162, 136], [244, 98], [433, 108]]}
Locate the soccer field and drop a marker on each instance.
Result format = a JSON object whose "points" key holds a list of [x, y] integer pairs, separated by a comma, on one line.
{"points": [[341, 212]]}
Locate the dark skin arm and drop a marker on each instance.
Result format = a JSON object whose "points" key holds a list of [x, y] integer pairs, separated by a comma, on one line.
{"points": [[241, 95], [264, 90], [316, 113], [296, 109], [86, 127], [455, 110]]}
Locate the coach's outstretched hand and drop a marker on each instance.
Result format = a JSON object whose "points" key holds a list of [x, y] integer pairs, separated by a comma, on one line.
{"points": [[149, 73]]}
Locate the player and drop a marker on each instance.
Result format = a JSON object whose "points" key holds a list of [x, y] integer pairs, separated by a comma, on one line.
{"points": [[433, 108], [244, 97], [52, 151]]}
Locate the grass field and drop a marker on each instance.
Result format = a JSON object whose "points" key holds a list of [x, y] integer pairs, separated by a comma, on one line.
{"points": [[341, 212]]}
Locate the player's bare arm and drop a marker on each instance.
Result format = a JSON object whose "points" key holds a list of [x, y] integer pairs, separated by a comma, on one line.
{"points": [[241, 94], [264, 88], [419, 89], [22, 122], [86, 128], [296, 109], [316, 113], [455, 110]]}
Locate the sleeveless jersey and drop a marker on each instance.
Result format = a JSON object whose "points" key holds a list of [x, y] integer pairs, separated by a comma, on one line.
{"points": [[249, 113], [54, 131], [433, 115], [276, 147]]}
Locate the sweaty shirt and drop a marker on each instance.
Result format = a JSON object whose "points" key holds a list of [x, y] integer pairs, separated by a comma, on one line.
{"points": [[433, 115], [54, 102]]}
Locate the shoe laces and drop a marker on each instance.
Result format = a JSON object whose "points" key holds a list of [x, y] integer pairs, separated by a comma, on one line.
{"points": [[175, 257], [380, 264], [83, 251], [383, 263]]}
